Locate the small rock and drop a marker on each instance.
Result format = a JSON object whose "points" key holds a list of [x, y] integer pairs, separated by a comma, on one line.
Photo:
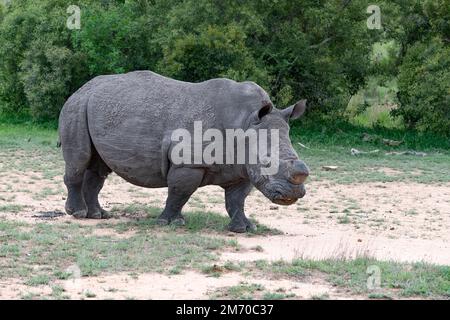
{"points": [[330, 168], [359, 240], [273, 207], [392, 228]]}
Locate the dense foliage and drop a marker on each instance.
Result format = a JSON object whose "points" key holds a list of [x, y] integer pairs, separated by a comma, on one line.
{"points": [[315, 49]]}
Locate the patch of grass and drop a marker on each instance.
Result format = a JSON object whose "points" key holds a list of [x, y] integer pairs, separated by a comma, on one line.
{"points": [[89, 294], [24, 135], [38, 280], [407, 280], [137, 209], [29, 296], [11, 208], [323, 296], [242, 291], [196, 221], [7, 249], [216, 270], [293, 269], [377, 295], [344, 219], [58, 246], [58, 293], [258, 248], [231, 266], [331, 144], [277, 295], [62, 275], [213, 270], [411, 212]]}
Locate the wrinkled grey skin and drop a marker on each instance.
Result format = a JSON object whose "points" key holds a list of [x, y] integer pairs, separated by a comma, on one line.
{"points": [[123, 123]]}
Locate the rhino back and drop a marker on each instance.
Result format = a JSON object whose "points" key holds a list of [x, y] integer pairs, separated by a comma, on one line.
{"points": [[129, 116]]}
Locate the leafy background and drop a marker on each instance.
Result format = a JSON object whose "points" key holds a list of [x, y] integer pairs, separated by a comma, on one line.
{"points": [[321, 50]]}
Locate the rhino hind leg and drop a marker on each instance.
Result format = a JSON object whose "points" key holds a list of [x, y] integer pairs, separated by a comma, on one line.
{"points": [[77, 161], [182, 183], [93, 181], [75, 204], [234, 202]]}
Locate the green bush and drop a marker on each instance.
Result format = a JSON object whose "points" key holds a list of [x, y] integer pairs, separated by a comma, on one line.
{"points": [[422, 30], [46, 75], [314, 49], [424, 87], [213, 52]]}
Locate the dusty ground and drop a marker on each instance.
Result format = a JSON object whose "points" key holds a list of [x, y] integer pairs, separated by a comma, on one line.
{"points": [[399, 221]]}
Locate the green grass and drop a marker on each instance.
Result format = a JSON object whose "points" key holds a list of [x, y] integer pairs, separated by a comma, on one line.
{"points": [[24, 136], [216, 270], [331, 145], [58, 246], [11, 208], [278, 295], [242, 291], [196, 221], [250, 291], [38, 280], [401, 279], [344, 219]]}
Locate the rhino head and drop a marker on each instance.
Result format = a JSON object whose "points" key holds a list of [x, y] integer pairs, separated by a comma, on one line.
{"points": [[286, 185]]}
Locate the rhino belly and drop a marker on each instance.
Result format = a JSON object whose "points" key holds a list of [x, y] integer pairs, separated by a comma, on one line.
{"points": [[131, 148]]}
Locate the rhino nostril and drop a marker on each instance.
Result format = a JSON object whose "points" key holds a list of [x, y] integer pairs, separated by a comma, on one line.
{"points": [[298, 173], [298, 178]]}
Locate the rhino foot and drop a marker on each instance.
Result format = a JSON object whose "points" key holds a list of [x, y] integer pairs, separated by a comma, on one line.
{"points": [[106, 214], [162, 222], [178, 221], [98, 213], [175, 221], [80, 214], [94, 214], [242, 226]]}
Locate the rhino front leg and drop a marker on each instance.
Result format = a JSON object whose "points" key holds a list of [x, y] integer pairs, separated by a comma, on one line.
{"points": [[182, 183], [234, 202]]}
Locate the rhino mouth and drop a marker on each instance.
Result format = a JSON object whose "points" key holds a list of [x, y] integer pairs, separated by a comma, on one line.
{"points": [[288, 197], [285, 201]]}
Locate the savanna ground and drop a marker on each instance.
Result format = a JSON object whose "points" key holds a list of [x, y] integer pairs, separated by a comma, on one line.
{"points": [[387, 211]]}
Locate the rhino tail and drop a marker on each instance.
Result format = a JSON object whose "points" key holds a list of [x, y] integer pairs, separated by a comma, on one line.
{"points": [[165, 163]]}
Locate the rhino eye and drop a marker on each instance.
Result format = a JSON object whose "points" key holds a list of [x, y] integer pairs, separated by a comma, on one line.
{"points": [[265, 162]]}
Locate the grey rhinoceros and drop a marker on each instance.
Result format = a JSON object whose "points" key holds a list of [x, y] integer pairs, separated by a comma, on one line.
{"points": [[123, 123]]}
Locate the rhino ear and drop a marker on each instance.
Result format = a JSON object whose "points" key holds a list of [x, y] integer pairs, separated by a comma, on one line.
{"points": [[265, 110], [257, 115], [295, 111]]}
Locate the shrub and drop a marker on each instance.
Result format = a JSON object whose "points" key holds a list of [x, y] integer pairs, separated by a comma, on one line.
{"points": [[424, 87], [294, 49]]}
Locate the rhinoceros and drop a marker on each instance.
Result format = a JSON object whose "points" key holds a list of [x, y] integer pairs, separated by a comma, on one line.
{"points": [[123, 123]]}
